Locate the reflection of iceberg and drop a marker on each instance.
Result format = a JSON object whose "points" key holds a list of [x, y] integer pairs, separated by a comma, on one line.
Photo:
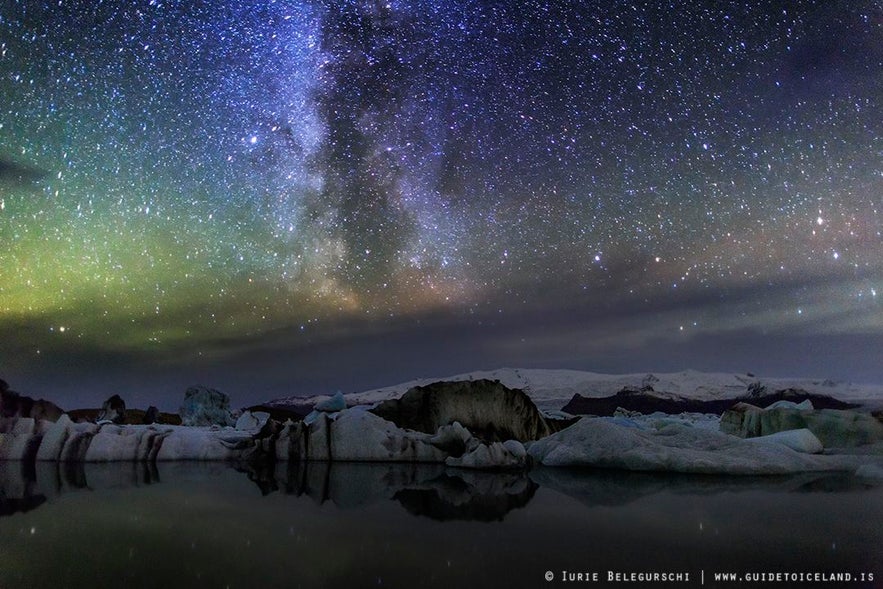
{"points": [[25, 486], [599, 487], [423, 489], [18, 492], [429, 490], [481, 496]]}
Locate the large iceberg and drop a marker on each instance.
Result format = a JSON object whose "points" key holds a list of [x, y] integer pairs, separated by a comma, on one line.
{"points": [[65, 441], [205, 406], [354, 434], [679, 448], [22, 440], [834, 428], [487, 408]]}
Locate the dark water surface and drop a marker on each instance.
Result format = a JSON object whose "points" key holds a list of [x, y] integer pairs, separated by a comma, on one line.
{"points": [[364, 525]]}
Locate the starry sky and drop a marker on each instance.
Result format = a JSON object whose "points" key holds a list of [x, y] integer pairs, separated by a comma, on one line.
{"points": [[283, 197]]}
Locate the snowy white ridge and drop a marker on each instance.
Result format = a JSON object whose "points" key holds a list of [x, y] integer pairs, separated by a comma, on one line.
{"points": [[552, 389]]}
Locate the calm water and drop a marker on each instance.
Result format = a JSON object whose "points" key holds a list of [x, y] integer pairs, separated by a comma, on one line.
{"points": [[361, 525]]}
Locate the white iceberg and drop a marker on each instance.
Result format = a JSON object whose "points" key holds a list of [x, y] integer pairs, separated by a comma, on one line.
{"points": [[833, 427], [114, 443], [332, 404], [54, 439], [508, 454], [678, 448], [251, 421], [870, 471], [799, 440], [202, 443], [355, 435]]}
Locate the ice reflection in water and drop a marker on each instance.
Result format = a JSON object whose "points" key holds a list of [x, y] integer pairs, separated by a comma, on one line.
{"points": [[345, 525], [429, 489]]}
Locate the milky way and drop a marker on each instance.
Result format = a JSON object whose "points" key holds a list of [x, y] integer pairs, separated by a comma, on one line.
{"points": [[311, 195]]}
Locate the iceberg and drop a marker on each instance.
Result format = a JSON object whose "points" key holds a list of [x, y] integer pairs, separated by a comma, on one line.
{"points": [[799, 440], [835, 428], [508, 454], [354, 434], [251, 421], [332, 404], [679, 448]]}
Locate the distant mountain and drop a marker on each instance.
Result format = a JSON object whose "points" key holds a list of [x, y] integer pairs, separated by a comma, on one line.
{"points": [[553, 389]]}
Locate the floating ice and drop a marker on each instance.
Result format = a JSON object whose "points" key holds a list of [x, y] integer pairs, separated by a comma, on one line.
{"points": [[678, 448], [332, 404]]}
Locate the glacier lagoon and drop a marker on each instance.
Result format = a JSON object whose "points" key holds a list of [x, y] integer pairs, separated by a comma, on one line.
{"points": [[194, 524]]}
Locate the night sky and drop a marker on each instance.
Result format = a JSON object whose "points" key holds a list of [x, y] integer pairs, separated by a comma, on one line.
{"points": [[280, 198]]}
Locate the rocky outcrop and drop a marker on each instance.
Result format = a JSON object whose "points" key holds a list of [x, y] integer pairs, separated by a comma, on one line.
{"points": [[488, 409], [14, 405], [283, 413], [762, 398], [113, 410], [150, 416], [132, 416], [203, 406], [834, 428]]}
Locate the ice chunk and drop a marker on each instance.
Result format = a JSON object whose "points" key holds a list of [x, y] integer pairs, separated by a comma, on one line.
{"points": [[204, 406], [332, 404], [453, 439], [495, 455], [54, 439], [252, 421], [361, 435], [17, 446], [835, 428], [24, 426], [113, 443], [870, 471], [802, 406], [198, 443], [799, 440], [516, 449], [677, 448]]}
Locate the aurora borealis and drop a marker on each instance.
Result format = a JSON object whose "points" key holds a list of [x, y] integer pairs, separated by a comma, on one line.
{"points": [[291, 197]]}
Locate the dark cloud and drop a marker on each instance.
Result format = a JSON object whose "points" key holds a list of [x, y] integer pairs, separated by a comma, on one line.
{"points": [[15, 173]]}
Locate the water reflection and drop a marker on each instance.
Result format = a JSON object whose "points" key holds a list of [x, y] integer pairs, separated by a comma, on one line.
{"points": [[424, 490], [478, 496], [430, 490], [25, 486], [433, 491], [615, 488]]}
